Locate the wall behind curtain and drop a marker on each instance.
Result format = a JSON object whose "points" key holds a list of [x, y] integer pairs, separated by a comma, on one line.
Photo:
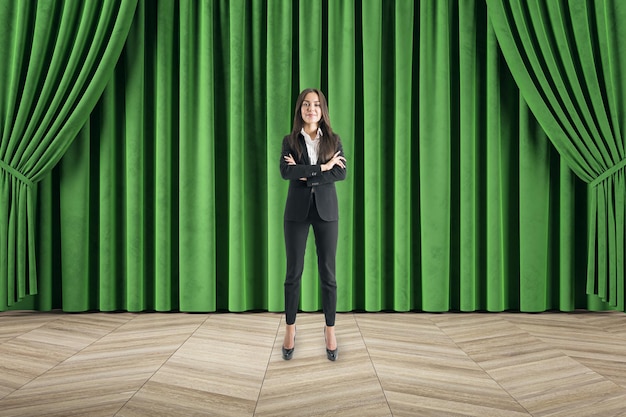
{"points": [[171, 198]]}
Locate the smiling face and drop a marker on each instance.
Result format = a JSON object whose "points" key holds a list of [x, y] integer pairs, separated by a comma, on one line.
{"points": [[311, 110]]}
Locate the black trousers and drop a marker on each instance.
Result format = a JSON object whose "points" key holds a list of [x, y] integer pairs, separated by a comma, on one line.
{"points": [[296, 234]]}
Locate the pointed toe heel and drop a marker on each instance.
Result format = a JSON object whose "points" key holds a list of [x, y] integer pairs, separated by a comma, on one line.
{"points": [[287, 353], [333, 354]]}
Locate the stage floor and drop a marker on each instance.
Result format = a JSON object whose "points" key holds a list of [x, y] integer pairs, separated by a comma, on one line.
{"points": [[390, 364]]}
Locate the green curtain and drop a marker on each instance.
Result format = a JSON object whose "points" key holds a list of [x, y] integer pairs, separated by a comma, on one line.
{"points": [[171, 197], [57, 57], [569, 62]]}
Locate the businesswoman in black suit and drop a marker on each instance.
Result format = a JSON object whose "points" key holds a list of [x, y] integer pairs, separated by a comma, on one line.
{"points": [[312, 160]]}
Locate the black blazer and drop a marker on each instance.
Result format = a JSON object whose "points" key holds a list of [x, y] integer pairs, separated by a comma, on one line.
{"points": [[322, 183]]}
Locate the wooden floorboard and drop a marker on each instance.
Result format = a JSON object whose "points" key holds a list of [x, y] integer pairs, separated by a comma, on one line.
{"points": [[390, 364]]}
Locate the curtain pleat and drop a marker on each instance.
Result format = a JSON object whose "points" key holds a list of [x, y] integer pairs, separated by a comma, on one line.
{"points": [[471, 38], [375, 244], [239, 110], [138, 60], [172, 195], [109, 190], [74, 222], [535, 177], [197, 222], [278, 101], [165, 160], [341, 93], [500, 128], [435, 152], [402, 296]]}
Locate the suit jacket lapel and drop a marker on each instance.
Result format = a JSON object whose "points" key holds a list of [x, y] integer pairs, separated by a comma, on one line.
{"points": [[305, 153]]}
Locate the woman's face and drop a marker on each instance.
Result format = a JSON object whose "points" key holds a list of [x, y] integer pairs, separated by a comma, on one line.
{"points": [[311, 110]]}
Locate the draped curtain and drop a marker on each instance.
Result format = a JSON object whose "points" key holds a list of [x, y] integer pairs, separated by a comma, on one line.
{"points": [[57, 58], [171, 197], [569, 61]]}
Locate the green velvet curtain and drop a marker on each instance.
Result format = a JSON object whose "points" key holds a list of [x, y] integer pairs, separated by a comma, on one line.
{"points": [[171, 197], [57, 57], [569, 60]]}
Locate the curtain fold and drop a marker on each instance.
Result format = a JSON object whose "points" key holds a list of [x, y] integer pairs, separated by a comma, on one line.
{"points": [[197, 222], [172, 195], [57, 59], [568, 62], [280, 80]]}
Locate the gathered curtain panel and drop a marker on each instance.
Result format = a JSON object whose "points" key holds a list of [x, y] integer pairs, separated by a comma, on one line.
{"points": [[171, 197], [57, 57], [569, 61]]}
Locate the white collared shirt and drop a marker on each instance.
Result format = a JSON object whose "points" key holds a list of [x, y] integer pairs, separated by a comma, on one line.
{"points": [[312, 145]]}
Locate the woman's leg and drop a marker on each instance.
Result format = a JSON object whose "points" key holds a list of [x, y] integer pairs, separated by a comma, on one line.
{"points": [[296, 234], [326, 244]]}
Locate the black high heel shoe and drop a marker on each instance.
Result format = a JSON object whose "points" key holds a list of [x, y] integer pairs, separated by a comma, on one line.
{"points": [[288, 353], [332, 355]]}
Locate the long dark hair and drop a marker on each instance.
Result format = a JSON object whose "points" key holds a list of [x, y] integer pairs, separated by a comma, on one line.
{"points": [[328, 142]]}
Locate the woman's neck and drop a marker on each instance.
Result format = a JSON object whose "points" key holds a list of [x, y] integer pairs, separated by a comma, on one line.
{"points": [[311, 130]]}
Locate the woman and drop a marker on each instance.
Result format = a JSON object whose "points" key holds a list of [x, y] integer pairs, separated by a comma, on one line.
{"points": [[312, 160]]}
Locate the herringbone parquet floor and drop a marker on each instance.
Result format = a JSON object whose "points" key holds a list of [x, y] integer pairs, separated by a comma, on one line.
{"points": [[390, 364]]}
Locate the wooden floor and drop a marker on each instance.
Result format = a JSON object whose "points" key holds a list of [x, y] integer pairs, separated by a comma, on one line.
{"points": [[390, 364]]}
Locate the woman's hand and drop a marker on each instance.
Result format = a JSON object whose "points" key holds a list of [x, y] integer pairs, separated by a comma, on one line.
{"points": [[335, 160], [290, 161]]}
